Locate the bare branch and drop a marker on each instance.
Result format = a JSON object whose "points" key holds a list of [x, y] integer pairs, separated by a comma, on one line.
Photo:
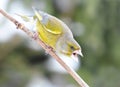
{"points": [[21, 26]]}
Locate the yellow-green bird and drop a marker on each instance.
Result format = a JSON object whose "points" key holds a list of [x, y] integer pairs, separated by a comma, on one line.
{"points": [[55, 33]]}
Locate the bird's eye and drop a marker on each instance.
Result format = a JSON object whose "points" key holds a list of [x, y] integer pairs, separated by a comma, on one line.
{"points": [[72, 47]]}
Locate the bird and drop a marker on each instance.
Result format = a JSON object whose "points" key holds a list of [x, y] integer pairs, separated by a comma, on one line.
{"points": [[55, 34]]}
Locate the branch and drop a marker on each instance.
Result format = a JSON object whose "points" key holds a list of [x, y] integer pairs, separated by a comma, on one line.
{"points": [[21, 26]]}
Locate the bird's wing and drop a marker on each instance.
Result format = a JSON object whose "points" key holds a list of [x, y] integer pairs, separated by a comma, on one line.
{"points": [[51, 24]]}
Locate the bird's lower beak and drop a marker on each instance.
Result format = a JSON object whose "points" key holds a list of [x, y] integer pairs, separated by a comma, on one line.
{"points": [[75, 53]]}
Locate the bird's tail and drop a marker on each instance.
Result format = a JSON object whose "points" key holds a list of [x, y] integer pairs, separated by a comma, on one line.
{"points": [[39, 16]]}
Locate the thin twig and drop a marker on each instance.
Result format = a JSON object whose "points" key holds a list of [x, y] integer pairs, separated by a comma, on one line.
{"points": [[21, 26]]}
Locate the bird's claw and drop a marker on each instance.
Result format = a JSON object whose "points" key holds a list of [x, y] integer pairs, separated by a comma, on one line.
{"points": [[19, 25]]}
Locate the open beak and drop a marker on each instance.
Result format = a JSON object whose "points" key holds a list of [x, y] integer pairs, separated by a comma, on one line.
{"points": [[78, 52], [75, 53]]}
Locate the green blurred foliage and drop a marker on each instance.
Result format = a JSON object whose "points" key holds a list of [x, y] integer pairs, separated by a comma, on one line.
{"points": [[100, 42]]}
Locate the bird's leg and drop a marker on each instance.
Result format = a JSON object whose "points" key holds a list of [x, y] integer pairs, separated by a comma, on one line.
{"points": [[19, 25]]}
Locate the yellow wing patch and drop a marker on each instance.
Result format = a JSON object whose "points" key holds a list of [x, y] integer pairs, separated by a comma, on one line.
{"points": [[53, 25], [49, 38]]}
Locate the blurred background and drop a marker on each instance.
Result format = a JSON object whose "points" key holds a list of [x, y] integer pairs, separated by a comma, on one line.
{"points": [[95, 25]]}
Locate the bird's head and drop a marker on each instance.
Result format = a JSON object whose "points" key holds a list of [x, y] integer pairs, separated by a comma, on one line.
{"points": [[71, 48]]}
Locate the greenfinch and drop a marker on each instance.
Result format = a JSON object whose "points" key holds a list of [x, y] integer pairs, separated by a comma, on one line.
{"points": [[55, 33]]}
